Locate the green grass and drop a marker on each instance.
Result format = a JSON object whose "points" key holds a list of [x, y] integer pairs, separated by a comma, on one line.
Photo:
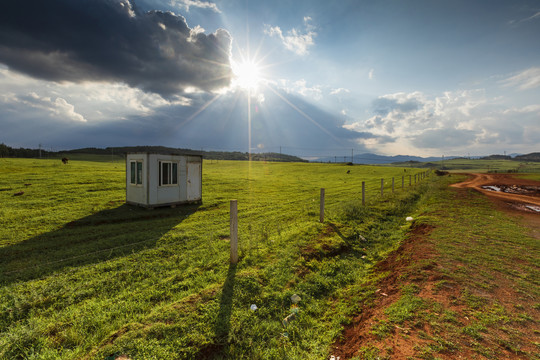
{"points": [[483, 166], [85, 276]]}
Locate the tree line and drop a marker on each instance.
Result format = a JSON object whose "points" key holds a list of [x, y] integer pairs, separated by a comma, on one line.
{"points": [[7, 151]]}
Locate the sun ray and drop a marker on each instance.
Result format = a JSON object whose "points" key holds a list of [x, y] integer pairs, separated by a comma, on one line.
{"points": [[306, 116]]}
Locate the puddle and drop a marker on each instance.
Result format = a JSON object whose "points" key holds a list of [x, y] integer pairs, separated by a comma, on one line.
{"points": [[514, 189], [525, 207]]}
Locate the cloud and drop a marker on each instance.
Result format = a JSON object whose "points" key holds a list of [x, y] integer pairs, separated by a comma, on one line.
{"points": [[525, 80], [396, 102], [186, 4], [297, 41], [455, 121], [339, 91], [371, 74], [57, 108], [301, 87], [532, 17], [92, 101], [112, 41]]}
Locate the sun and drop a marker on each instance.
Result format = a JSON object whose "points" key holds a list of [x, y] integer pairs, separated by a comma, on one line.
{"points": [[247, 74]]}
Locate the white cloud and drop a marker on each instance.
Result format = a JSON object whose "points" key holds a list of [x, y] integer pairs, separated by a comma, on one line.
{"points": [[89, 101], [532, 17], [186, 4], [301, 87], [339, 91], [525, 80], [57, 108], [371, 74], [454, 122], [63, 108], [297, 41]]}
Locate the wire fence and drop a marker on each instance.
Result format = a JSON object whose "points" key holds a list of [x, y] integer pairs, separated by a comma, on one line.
{"points": [[306, 206]]}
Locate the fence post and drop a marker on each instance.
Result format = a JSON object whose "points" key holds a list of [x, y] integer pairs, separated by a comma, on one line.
{"points": [[321, 217], [234, 232], [363, 193], [392, 184], [382, 187], [414, 179], [410, 180]]}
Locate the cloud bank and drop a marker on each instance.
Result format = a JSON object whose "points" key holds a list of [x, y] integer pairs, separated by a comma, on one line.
{"points": [[455, 122], [112, 41]]}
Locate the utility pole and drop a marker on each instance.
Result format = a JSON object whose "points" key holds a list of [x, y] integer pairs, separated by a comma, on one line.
{"points": [[352, 156], [40, 151]]}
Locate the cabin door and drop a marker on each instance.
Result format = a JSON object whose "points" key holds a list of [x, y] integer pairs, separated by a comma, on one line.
{"points": [[193, 181]]}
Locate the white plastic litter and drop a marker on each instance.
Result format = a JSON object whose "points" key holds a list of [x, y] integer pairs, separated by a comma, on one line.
{"points": [[253, 307], [295, 299], [409, 218]]}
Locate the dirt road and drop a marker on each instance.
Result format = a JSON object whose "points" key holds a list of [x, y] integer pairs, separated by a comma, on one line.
{"points": [[514, 191]]}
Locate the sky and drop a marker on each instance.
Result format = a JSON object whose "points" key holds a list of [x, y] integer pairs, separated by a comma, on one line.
{"points": [[308, 78]]}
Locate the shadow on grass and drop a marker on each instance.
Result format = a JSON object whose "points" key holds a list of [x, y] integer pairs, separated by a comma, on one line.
{"points": [[99, 237], [223, 324]]}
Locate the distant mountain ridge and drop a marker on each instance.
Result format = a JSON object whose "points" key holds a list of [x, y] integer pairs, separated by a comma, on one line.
{"points": [[365, 158], [369, 158]]}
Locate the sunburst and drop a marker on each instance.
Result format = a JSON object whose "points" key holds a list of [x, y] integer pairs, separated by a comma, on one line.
{"points": [[247, 74]]}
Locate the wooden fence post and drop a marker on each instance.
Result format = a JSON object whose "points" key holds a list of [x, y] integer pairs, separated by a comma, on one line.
{"points": [[392, 184], [234, 232], [321, 217], [382, 187], [363, 193], [410, 180]]}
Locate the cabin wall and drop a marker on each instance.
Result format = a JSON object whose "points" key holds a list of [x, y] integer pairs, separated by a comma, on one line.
{"points": [[188, 187]]}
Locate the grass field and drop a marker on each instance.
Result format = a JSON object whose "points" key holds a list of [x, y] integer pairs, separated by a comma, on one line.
{"points": [[483, 166], [85, 276]]}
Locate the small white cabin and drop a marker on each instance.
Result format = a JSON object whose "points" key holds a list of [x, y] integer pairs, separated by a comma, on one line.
{"points": [[154, 179]]}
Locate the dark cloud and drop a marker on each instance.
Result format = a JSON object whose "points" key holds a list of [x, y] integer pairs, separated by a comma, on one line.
{"points": [[382, 106], [111, 40]]}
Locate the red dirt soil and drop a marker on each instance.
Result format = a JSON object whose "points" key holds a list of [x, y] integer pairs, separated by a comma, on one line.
{"points": [[415, 262]]}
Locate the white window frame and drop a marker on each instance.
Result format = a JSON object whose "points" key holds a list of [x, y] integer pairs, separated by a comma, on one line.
{"points": [[171, 178]]}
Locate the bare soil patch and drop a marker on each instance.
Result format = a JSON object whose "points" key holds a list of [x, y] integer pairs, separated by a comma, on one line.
{"points": [[413, 250]]}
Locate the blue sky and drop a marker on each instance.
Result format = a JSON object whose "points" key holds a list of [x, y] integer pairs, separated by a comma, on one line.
{"points": [[425, 78]]}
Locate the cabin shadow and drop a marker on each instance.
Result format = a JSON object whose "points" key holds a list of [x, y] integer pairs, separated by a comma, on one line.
{"points": [[99, 237]]}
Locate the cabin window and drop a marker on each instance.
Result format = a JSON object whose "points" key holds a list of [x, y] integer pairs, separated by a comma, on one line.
{"points": [[168, 173], [136, 172]]}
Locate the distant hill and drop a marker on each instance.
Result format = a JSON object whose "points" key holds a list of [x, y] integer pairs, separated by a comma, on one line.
{"points": [[211, 155], [496, 157], [7, 151], [368, 158], [529, 157]]}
